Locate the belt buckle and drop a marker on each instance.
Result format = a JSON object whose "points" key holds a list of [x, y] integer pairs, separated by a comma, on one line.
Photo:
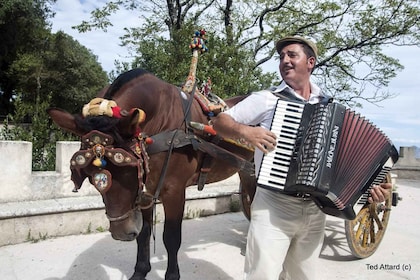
{"points": [[303, 196]]}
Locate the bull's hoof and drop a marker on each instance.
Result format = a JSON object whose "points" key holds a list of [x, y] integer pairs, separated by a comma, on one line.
{"points": [[174, 276], [137, 276]]}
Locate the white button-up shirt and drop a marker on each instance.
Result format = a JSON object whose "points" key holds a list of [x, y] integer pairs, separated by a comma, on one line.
{"points": [[259, 108]]}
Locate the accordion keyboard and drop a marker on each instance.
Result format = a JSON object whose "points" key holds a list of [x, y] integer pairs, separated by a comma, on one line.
{"points": [[275, 165], [328, 151]]}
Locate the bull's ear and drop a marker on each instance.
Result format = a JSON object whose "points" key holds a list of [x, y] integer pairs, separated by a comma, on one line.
{"points": [[131, 123], [64, 120]]}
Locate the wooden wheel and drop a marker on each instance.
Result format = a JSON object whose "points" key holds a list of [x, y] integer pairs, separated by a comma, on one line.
{"points": [[365, 232]]}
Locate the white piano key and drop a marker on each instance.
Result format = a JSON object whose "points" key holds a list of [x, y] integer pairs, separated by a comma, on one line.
{"points": [[275, 165]]}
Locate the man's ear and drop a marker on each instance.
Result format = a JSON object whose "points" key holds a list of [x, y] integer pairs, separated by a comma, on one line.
{"points": [[311, 62]]}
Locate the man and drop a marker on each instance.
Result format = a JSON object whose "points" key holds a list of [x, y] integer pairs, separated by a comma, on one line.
{"points": [[286, 230]]}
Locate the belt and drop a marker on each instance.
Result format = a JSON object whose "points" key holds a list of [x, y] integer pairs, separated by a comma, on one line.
{"points": [[302, 195]]}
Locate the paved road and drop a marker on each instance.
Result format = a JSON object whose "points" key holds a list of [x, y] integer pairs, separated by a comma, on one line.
{"points": [[213, 248]]}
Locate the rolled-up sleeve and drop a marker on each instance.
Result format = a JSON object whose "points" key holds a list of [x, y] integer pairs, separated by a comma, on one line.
{"points": [[255, 109]]}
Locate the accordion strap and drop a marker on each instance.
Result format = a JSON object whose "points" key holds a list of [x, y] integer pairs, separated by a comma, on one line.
{"points": [[287, 95]]}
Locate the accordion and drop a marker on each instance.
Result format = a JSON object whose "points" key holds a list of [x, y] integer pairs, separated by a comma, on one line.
{"points": [[328, 152]]}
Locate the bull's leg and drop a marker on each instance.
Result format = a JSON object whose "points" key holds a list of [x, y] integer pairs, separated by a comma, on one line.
{"points": [[143, 248], [174, 211], [172, 241]]}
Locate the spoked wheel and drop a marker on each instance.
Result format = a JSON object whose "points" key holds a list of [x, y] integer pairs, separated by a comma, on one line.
{"points": [[365, 232]]}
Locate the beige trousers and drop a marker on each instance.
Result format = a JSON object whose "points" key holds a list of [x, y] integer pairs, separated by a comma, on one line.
{"points": [[284, 239]]}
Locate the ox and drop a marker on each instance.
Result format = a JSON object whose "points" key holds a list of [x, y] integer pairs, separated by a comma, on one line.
{"points": [[149, 153]]}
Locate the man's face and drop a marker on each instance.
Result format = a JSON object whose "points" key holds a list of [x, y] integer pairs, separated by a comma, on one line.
{"points": [[294, 64]]}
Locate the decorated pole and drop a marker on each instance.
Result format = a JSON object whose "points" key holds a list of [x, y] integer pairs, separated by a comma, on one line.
{"points": [[198, 45]]}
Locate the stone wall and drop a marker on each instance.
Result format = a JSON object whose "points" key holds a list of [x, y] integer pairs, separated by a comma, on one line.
{"points": [[408, 165], [34, 204]]}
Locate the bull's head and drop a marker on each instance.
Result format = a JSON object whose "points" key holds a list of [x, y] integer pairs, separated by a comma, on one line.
{"points": [[113, 156]]}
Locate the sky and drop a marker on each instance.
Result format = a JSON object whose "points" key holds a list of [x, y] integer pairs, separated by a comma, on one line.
{"points": [[398, 118]]}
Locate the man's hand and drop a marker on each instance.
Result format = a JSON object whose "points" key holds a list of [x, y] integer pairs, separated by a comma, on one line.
{"points": [[380, 193], [259, 137]]}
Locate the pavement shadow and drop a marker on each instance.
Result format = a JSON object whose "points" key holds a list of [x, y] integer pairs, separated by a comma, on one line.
{"points": [[103, 255], [111, 259], [335, 246]]}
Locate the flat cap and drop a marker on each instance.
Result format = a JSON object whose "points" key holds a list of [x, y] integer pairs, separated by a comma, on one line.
{"points": [[295, 39]]}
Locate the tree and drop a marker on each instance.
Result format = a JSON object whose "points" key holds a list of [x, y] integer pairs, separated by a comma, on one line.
{"points": [[32, 60], [351, 35], [40, 132], [23, 29], [230, 69], [63, 74], [40, 70], [73, 73]]}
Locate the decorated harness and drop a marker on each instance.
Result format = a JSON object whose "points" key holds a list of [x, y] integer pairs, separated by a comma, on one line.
{"points": [[98, 148]]}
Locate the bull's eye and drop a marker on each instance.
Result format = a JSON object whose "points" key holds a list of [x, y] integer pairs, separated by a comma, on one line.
{"points": [[118, 157], [80, 159]]}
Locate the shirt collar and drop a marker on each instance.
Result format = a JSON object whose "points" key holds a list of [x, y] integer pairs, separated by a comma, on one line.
{"points": [[313, 98]]}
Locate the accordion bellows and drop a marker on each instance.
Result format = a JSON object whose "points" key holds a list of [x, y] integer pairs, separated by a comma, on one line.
{"points": [[327, 151]]}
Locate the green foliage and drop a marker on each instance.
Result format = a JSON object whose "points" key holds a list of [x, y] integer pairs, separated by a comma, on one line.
{"points": [[41, 70], [100, 229], [230, 68], [33, 239], [74, 74], [31, 123], [63, 68], [23, 29], [351, 37]]}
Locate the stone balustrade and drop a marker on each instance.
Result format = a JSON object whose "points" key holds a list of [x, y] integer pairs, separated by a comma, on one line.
{"points": [[38, 204], [34, 204]]}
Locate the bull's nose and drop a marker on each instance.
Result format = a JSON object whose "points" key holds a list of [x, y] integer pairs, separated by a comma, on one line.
{"points": [[130, 236], [127, 229]]}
